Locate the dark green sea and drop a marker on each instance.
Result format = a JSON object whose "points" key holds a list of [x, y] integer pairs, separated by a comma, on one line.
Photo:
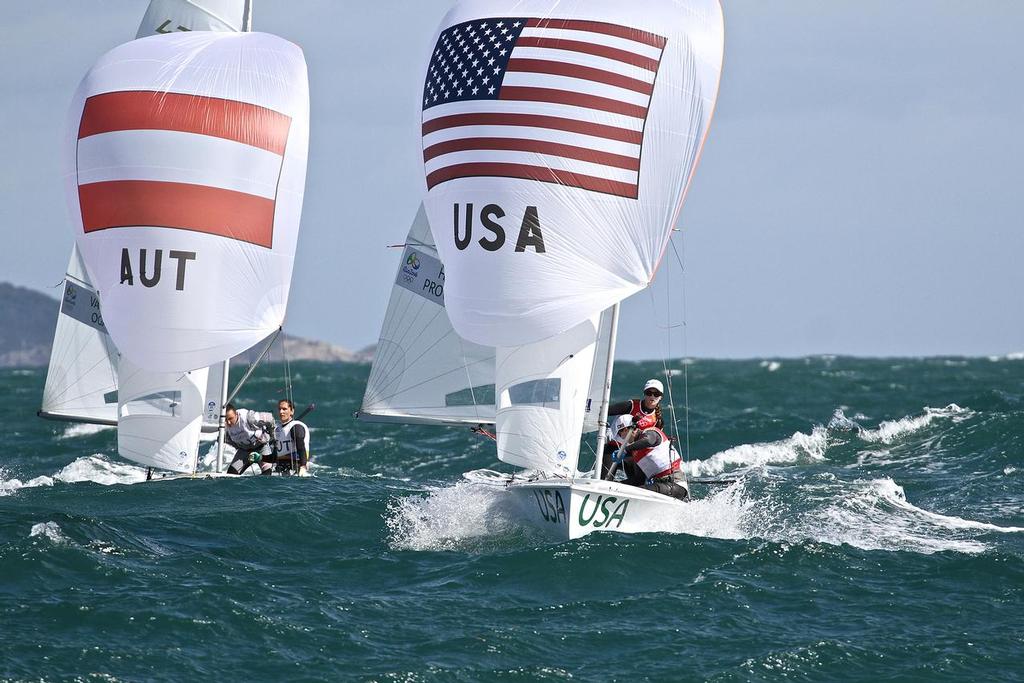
{"points": [[876, 533]]}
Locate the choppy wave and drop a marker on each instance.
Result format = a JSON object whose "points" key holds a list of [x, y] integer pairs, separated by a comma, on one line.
{"points": [[78, 430]]}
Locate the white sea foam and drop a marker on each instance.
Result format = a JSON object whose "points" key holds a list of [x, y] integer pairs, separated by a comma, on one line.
{"points": [[797, 448], [76, 430], [1017, 355], [10, 485], [771, 365], [871, 515], [97, 469], [890, 430], [50, 531], [446, 517]]}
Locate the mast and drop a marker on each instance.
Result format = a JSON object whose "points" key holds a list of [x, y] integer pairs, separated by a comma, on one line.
{"points": [[602, 420], [221, 426]]}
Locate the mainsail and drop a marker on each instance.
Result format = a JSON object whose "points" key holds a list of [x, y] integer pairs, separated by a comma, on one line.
{"points": [[554, 177], [166, 16], [423, 372], [81, 381]]}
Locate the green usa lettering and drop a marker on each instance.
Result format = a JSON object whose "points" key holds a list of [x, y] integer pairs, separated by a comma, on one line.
{"points": [[603, 512]]}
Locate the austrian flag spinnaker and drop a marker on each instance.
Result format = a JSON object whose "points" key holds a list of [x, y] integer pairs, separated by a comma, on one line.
{"points": [[186, 159]]}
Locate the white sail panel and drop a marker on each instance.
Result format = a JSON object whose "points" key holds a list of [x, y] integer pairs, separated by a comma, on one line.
{"points": [[160, 416], [81, 381], [555, 176], [542, 397], [598, 373], [193, 259], [166, 16], [422, 370]]}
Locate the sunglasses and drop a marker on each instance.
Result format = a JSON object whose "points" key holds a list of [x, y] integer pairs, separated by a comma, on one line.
{"points": [[652, 392]]}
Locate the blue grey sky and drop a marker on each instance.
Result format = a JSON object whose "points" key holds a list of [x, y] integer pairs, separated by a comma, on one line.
{"points": [[857, 194]]}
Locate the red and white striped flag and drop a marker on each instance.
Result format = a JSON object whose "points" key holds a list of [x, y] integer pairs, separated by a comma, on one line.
{"points": [[554, 100], [173, 160]]}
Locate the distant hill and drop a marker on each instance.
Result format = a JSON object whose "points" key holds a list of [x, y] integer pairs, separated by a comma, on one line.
{"points": [[28, 319]]}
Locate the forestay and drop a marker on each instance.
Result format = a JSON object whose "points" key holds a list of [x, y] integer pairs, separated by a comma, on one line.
{"points": [[558, 142], [81, 381], [185, 182], [423, 372], [160, 416], [166, 16]]}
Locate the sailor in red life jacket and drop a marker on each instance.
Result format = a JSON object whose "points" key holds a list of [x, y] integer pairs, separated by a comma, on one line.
{"points": [[646, 413], [649, 460]]}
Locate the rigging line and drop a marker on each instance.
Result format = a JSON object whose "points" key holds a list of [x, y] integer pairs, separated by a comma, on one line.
{"points": [[287, 372], [665, 352], [686, 353]]}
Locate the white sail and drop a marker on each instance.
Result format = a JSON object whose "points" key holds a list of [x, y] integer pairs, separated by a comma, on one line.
{"points": [[554, 178], [599, 372], [81, 381], [166, 16], [185, 183], [542, 399], [160, 416], [423, 372]]}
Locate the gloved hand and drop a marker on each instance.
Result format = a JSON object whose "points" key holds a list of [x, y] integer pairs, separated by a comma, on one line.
{"points": [[619, 455], [256, 457], [644, 421]]}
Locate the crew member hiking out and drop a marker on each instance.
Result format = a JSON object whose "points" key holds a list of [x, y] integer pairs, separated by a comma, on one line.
{"points": [[292, 441], [646, 413], [656, 467], [249, 432]]}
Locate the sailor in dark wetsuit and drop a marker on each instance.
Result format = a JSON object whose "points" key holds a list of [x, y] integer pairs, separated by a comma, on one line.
{"points": [[292, 442], [648, 459], [646, 413]]}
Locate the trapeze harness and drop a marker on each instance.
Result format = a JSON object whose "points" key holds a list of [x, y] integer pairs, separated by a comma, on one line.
{"points": [[288, 452]]}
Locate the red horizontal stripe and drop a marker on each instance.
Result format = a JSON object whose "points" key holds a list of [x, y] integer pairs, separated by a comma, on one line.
{"points": [[545, 66], [535, 121], [200, 208], [590, 49], [149, 110], [539, 146], [509, 92], [634, 34], [541, 173]]}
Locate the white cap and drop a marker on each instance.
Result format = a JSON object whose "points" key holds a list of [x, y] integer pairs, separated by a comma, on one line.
{"points": [[654, 384], [621, 422]]}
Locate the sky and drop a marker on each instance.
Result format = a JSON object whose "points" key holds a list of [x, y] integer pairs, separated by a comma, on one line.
{"points": [[858, 192]]}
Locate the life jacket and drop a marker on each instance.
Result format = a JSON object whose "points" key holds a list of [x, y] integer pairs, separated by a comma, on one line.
{"points": [[287, 449], [246, 433], [636, 409], [658, 461]]}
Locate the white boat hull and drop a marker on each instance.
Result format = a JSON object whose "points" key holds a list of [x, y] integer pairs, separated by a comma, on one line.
{"points": [[566, 510]]}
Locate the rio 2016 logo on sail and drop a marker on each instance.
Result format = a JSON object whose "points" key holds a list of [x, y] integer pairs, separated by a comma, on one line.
{"points": [[411, 267]]}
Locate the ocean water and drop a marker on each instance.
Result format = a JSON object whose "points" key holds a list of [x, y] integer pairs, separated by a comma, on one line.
{"points": [[876, 532]]}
